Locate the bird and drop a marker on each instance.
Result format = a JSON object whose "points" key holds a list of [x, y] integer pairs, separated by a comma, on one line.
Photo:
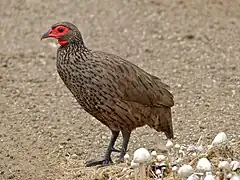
{"points": [[118, 93]]}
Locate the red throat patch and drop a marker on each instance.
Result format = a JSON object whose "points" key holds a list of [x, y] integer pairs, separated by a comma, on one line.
{"points": [[62, 42]]}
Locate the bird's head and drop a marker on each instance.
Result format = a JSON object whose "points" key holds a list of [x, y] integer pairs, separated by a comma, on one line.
{"points": [[64, 32]]}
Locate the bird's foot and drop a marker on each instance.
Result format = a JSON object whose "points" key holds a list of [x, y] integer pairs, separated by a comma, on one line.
{"points": [[100, 163], [105, 162]]}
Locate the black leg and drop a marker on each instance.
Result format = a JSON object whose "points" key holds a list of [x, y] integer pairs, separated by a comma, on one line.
{"points": [[111, 148], [107, 157], [126, 136]]}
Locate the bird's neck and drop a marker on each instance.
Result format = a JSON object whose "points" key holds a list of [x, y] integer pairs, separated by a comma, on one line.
{"points": [[77, 49], [74, 43]]}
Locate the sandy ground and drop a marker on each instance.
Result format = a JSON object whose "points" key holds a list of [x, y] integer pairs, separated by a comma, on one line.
{"points": [[194, 46]]}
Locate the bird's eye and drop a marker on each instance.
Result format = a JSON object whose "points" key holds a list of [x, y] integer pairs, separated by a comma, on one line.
{"points": [[60, 29]]}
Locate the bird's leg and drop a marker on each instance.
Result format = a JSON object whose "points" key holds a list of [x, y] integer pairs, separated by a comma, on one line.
{"points": [[107, 157], [126, 136]]}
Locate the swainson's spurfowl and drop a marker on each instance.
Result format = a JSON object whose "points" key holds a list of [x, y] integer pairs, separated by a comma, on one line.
{"points": [[116, 92]]}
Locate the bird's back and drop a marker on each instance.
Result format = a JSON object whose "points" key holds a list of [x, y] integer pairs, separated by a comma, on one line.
{"points": [[141, 98], [117, 92]]}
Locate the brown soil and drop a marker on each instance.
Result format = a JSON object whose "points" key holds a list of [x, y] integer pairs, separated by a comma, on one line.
{"points": [[193, 46]]}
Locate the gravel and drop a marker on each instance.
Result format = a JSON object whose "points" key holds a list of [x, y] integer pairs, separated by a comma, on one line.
{"points": [[194, 47]]}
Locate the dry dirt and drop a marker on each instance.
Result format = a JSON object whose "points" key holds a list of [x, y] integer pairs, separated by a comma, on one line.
{"points": [[194, 46]]}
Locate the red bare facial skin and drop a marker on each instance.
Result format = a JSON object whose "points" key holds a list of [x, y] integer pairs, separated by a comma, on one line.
{"points": [[62, 42], [57, 33]]}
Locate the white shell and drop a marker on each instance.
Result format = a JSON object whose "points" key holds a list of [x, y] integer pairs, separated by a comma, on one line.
{"points": [[174, 169], [229, 176], [163, 165], [141, 155], [209, 177], [134, 165], [160, 157], [169, 144], [220, 139], [126, 156], [224, 165], [158, 172], [193, 177], [177, 146], [185, 171], [209, 173], [204, 165], [235, 177], [194, 154], [235, 165], [154, 153]]}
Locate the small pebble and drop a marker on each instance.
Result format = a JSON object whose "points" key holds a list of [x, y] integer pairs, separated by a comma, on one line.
{"points": [[74, 156]]}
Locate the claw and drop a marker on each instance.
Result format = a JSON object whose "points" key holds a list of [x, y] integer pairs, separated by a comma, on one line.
{"points": [[101, 163]]}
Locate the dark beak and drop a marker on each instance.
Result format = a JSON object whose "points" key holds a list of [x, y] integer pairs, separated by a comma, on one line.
{"points": [[46, 35]]}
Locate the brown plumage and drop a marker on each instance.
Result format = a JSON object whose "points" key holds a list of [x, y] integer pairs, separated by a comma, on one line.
{"points": [[116, 92]]}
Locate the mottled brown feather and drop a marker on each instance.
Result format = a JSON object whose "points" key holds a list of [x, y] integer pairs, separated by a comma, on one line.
{"points": [[118, 93]]}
